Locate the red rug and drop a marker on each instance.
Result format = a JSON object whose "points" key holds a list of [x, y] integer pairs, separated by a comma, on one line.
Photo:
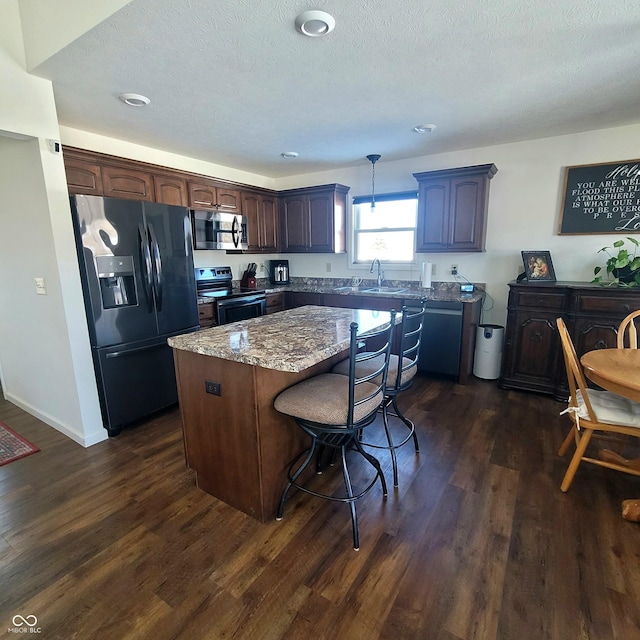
{"points": [[13, 446]]}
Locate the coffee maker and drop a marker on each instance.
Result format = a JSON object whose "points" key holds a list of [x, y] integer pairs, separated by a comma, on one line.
{"points": [[279, 271]]}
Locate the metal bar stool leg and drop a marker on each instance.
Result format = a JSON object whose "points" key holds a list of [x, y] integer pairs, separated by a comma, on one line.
{"points": [[408, 422], [376, 465], [392, 449], [295, 476], [352, 502]]}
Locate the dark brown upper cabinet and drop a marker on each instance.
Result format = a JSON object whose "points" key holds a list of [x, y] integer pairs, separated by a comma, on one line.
{"points": [[452, 209], [312, 219], [120, 182], [170, 190], [262, 222], [205, 194], [83, 177]]}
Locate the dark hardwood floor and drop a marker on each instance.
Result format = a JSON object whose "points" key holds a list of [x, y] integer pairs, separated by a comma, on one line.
{"points": [[115, 541]]}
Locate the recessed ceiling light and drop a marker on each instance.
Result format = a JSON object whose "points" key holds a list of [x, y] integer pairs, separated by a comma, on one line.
{"points": [[134, 99], [290, 154], [315, 23], [425, 128]]}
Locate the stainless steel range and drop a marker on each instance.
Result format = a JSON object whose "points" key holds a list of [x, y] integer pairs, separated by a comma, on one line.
{"points": [[215, 284]]}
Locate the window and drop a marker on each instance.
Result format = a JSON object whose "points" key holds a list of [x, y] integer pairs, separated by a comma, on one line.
{"points": [[387, 231]]}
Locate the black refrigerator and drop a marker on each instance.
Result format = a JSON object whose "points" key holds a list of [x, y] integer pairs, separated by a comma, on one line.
{"points": [[136, 266]]}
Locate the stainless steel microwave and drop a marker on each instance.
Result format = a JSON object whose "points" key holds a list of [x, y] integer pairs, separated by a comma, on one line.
{"points": [[218, 230]]}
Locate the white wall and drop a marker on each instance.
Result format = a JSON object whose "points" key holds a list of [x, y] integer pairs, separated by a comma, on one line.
{"points": [[45, 356]]}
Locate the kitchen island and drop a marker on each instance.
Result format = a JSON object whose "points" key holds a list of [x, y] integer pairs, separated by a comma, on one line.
{"points": [[238, 445]]}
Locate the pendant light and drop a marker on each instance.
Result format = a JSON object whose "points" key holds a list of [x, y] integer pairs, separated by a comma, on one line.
{"points": [[373, 158]]}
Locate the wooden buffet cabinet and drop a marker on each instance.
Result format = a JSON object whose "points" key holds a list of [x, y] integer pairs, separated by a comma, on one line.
{"points": [[532, 356], [310, 219]]}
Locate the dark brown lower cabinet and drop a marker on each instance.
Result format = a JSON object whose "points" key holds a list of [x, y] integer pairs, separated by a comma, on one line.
{"points": [[532, 356]]}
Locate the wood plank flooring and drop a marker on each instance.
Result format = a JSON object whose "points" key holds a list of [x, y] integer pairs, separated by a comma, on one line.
{"points": [[478, 541]]}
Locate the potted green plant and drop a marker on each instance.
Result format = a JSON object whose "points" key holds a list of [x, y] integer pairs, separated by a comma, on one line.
{"points": [[623, 265]]}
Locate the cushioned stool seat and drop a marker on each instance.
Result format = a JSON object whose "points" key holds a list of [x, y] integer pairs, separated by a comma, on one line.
{"points": [[333, 409], [325, 399], [399, 378]]}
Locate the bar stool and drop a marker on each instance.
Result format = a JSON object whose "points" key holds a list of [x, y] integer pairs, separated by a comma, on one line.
{"points": [[333, 409], [399, 379]]}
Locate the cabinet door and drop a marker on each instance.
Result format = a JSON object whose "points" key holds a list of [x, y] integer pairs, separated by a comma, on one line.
{"points": [[127, 183], [466, 215], [83, 177], [262, 222], [202, 195], [228, 199], [250, 208], [595, 333], [532, 351], [268, 220], [321, 223], [205, 314], [170, 190], [275, 302], [433, 216], [295, 223]]}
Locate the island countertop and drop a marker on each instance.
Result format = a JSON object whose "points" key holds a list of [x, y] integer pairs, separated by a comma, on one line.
{"points": [[292, 340]]}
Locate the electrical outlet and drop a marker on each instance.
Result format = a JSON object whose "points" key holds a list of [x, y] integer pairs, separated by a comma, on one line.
{"points": [[328, 267], [261, 267], [454, 269], [214, 388], [433, 269]]}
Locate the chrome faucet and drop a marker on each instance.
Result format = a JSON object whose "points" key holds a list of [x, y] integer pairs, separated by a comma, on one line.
{"points": [[380, 271]]}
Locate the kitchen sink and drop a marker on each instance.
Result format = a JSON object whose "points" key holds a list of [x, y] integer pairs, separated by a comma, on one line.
{"points": [[383, 290]]}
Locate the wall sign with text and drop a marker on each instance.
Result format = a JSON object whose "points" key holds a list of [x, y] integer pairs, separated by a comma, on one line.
{"points": [[602, 198]]}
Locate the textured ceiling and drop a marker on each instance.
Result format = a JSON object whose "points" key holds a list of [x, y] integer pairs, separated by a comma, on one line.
{"points": [[233, 82]]}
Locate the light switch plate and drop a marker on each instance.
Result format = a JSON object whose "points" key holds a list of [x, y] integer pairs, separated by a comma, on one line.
{"points": [[41, 290]]}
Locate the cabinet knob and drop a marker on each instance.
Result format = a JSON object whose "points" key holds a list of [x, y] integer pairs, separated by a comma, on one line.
{"points": [[536, 337], [601, 344]]}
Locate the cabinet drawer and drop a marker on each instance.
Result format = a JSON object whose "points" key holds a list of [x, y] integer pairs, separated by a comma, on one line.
{"points": [[205, 314], [275, 302], [608, 304], [540, 300]]}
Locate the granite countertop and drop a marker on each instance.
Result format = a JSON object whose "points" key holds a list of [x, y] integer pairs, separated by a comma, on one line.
{"points": [[441, 295], [440, 291], [291, 340]]}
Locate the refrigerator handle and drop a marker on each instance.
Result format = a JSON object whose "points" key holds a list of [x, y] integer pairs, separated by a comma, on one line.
{"points": [[145, 256], [157, 260]]}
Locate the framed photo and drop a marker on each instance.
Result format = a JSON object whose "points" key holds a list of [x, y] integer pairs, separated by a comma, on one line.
{"points": [[538, 266]]}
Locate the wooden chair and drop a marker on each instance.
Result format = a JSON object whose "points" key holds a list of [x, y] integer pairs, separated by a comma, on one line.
{"points": [[594, 411], [627, 332], [333, 410], [400, 378]]}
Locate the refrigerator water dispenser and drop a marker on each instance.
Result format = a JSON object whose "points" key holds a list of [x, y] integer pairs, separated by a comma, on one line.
{"points": [[117, 281]]}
